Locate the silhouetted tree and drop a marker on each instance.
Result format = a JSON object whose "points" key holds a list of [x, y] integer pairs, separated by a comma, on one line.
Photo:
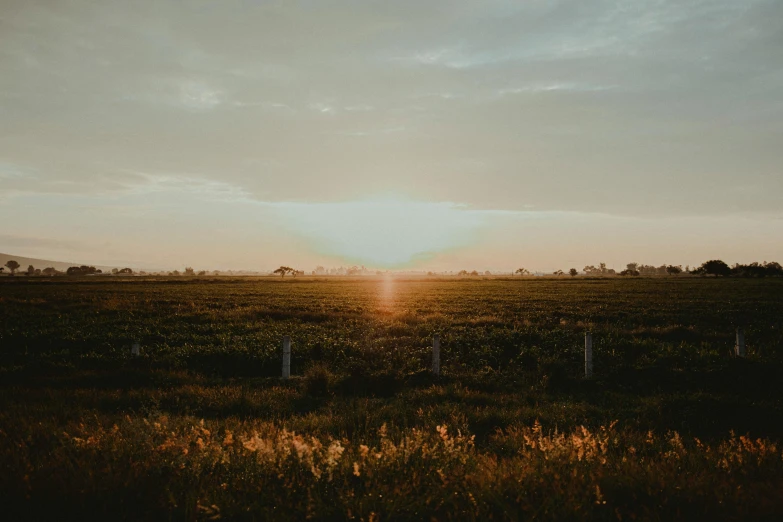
{"points": [[127, 271], [189, 271], [81, 270], [673, 270], [558, 273], [632, 267], [522, 271], [283, 270], [629, 272], [30, 270], [757, 269], [12, 265], [714, 267], [573, 272]]}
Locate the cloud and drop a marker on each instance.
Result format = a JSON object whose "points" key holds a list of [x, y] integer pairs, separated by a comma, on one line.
{"points": [[645, 108]]}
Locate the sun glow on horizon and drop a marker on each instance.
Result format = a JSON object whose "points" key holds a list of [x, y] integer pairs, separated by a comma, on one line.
{"points": [[388, 232]]}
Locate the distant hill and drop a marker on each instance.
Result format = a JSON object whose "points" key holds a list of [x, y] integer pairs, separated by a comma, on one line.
{"points": [[24, 262]]}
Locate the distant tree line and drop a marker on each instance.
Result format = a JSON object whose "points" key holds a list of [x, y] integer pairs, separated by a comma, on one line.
{"points": [[713, 267]]}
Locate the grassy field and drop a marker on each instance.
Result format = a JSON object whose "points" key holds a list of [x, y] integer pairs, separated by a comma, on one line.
{"points": [[200, 426]]}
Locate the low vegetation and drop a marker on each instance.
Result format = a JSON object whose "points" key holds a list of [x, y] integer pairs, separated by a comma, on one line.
{"points": [[199, 426]]}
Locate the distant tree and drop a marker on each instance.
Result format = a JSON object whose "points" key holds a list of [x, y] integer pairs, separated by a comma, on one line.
{"points": [[202, 273], [37, 271], [714, 267], [114, 271], [80, 270], [773, 269], [283, 270], [573, 272], [1, 269], [49, 271], [175, 273], [474, 273], [522, 271], [602, 268], [127, 271], [632, 266], [462, 273], [558, 273], [591, 270], [487, 273], [30, 270], [757, 269], [189, 271], [216, 272], [629, 272], [673, 270], [12, 265]]}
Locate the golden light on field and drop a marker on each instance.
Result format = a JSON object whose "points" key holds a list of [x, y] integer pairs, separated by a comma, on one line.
{"points": [[383, 232], [386, 294]]}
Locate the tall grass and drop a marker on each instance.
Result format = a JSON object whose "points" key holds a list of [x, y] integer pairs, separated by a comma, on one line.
{"points": [[185, 468]]}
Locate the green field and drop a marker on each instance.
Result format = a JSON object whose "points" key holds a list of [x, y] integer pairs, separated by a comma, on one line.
{"points": [[200, 425]]}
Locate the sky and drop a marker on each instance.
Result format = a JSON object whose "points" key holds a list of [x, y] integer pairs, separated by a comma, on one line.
{"points": [[246, 134]]}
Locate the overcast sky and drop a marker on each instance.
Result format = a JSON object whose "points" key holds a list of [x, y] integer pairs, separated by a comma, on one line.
{"points": [[438, 135]]}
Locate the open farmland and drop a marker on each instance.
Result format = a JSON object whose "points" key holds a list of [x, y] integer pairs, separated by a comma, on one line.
{"points": [[200, 425]]}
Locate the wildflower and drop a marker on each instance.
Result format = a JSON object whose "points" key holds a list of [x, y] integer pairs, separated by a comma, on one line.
{"points": [[363, 451], [356, 469]]}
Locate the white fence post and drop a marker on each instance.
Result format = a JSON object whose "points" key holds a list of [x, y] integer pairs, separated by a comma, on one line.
{"points": [[436, 355], [739, 347], [286, 357], [135, 349], [588, 355]]}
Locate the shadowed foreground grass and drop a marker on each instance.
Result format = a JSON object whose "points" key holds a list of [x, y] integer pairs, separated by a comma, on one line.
{"points": [[161, 467]]}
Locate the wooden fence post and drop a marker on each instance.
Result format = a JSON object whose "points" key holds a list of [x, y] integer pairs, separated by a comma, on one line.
{"points": [[739, 347], [436, 355], [286, 357], [588, 355]]}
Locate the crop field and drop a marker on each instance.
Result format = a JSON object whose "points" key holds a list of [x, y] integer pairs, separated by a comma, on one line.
{"points": [[200, 426]]}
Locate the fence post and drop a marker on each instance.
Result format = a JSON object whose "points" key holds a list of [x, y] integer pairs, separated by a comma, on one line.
{"points": [[135, 349], [436, 355], [588, 355], [739, 347], [286, 357]]}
